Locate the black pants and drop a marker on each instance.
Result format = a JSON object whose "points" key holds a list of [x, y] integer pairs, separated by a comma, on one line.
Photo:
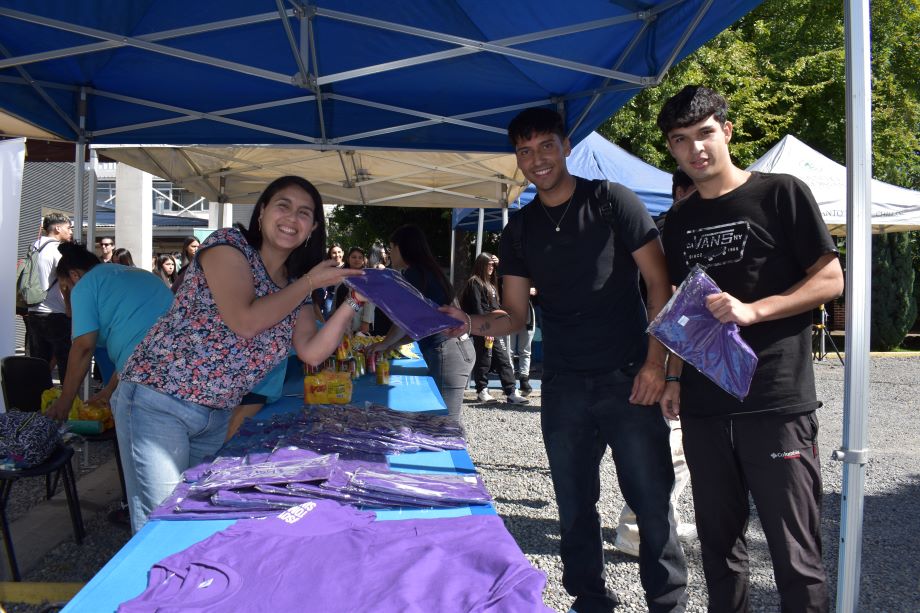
{"points": [[580, 416], [49, 335], [775, 458], [496, 359]]}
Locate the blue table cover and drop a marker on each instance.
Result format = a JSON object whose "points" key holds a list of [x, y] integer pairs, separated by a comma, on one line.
{"points": [[410, 389]]}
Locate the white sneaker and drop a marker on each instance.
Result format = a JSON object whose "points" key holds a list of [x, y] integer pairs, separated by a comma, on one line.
{"points": [[483, 395], [686, 532], [515, 398]]}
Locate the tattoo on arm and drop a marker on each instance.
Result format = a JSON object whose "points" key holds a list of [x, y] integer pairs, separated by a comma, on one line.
{"points": [[499, 316], [484, 327]]}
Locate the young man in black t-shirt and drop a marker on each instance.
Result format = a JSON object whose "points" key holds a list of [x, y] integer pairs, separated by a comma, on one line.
{"points": [[762, 239], [602, 375]]}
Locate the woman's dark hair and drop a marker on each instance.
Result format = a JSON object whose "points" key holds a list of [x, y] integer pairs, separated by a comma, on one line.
{"points": [[305, 257], [75, 256], [415, 252], [352, 250], [377, 256], [188, 241], [481, 270], [169, 279], [122, 256]]}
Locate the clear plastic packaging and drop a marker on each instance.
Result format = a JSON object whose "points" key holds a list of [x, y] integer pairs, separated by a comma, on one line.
{"points": [[687, 328]]}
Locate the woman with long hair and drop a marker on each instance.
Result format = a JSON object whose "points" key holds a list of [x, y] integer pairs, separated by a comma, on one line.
{"points": [[122, 256], [166, 269], [189, 249], [481, 296], [234, 319], [449, 359]]}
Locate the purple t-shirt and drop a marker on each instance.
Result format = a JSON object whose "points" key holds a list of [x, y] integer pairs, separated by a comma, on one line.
{"points": [[320, 556]]}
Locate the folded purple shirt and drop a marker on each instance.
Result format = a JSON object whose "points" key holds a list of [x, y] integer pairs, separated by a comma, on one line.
{"points": [[686, 327], [403, 304]]}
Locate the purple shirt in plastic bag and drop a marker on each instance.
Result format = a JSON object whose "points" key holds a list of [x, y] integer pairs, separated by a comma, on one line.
{"points": [[686, 327], [271, 471], [402, 303]]}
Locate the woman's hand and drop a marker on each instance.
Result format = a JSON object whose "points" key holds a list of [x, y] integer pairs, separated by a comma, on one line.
{"points": [[326, 273]]}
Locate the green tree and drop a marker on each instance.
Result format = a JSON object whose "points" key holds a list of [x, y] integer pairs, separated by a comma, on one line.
{"points": [[364, 225], [894, 308], [782, 69]]}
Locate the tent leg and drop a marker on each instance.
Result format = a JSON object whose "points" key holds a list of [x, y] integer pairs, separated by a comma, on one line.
{"points": [[453, 253], [858, 305], [479, 230]]}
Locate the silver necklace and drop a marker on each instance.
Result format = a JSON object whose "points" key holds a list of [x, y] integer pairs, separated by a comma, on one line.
{"points": [[548, 216]]}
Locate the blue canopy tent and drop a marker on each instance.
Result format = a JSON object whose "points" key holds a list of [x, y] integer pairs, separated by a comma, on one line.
{"points": [[593, 158], [342, 75]]}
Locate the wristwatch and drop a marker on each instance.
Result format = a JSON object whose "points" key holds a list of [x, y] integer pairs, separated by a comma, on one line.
{"points": [[353, 304]]}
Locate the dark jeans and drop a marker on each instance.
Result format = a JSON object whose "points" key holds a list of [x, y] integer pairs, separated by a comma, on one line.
{"points": [[581, 415], [49, 335], [496, 359], [449, 364], [775, 458]]}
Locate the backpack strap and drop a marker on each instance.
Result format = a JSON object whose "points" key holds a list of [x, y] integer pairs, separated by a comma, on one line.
{"points": [[602, 200]]}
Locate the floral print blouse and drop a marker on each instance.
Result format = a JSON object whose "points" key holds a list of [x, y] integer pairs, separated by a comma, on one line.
{"points": [[190, 353]]}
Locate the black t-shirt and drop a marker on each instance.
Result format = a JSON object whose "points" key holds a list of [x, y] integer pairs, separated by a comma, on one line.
{"points": [[756, 241], [588, 283]]}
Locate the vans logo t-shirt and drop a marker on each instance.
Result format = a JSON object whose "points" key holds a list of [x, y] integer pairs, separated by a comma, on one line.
{"points": [[716, 245]]}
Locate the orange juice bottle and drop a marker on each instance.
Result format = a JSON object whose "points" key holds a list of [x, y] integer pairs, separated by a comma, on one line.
{"points": [[383, 372]]}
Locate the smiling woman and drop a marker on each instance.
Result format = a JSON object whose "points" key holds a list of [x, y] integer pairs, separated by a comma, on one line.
{"points": [[236, 317]]}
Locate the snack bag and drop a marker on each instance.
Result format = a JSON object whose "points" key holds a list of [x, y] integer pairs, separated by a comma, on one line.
{"points": [[314, 388], [53, 393]]}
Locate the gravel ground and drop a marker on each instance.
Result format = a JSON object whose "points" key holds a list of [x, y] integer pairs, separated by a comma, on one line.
{"points": [[506, 446], [518, 477]]}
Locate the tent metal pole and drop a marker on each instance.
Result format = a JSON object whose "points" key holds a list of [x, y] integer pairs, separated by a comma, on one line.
{"points": [[854, 452], [91, 205], [79, 169], [479, 230], [453, 253]]}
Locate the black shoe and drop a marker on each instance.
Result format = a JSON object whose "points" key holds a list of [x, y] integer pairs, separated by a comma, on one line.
{"points": [[525, 387]]}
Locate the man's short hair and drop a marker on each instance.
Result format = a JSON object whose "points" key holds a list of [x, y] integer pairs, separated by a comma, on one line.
{"points": [[679, 179], [537, 120], [54, 219], [692, 104]]}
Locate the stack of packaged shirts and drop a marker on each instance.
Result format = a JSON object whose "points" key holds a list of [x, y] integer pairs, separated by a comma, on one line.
{"points": [[350, 430], [263, 484]]}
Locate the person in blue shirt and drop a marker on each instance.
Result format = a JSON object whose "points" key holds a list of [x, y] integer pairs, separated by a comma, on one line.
{"points": [[112, 307]]}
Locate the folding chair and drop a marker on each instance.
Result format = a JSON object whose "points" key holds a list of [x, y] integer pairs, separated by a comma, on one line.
{"points": [[23, 380]]}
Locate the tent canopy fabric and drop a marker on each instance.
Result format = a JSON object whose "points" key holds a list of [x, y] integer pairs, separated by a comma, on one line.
{"points": [[593, 158], [336, 74], [894, 209], [370, 177]]}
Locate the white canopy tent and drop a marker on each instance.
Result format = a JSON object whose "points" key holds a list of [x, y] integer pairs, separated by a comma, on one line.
{"points": [[893, 208], [238, 174]]}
